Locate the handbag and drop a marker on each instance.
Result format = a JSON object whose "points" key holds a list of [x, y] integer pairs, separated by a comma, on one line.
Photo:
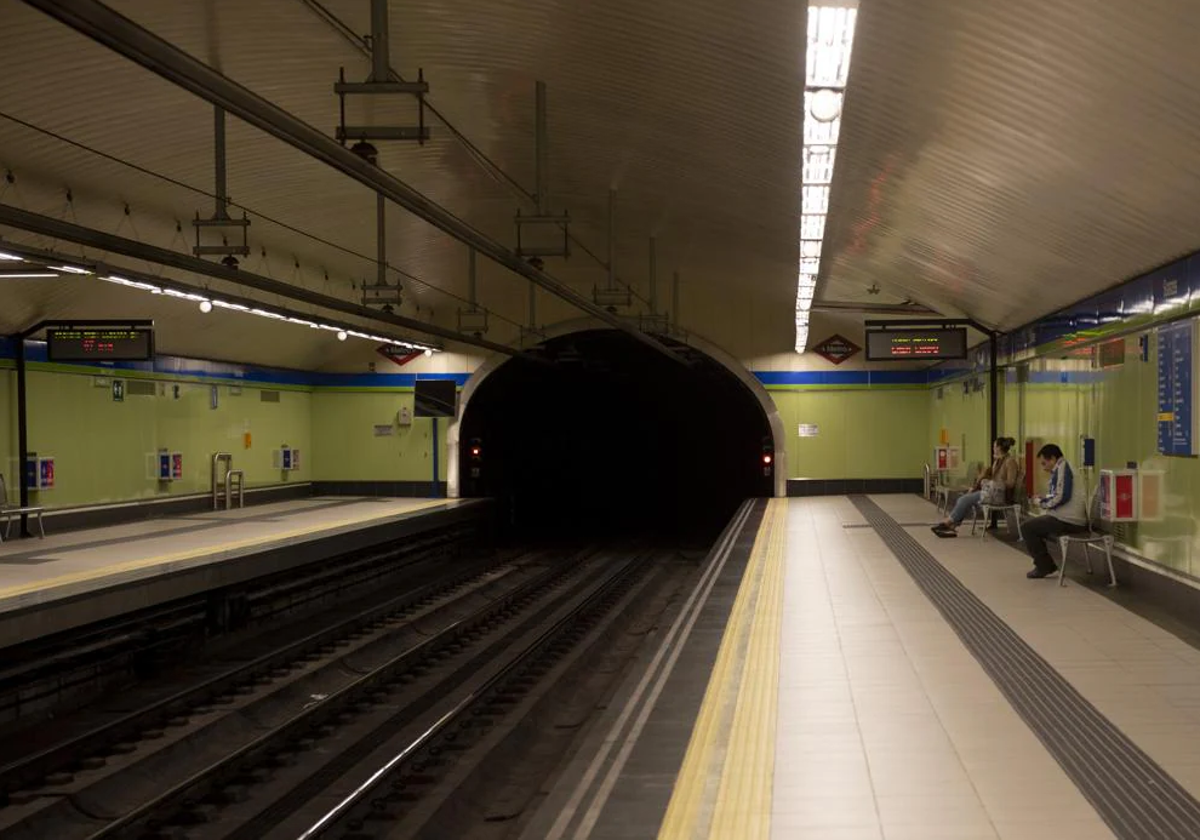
{"points": [[992, 492]]}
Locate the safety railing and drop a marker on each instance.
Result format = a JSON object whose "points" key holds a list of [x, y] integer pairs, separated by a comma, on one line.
{"points": [[235, 478], [217, 474]]}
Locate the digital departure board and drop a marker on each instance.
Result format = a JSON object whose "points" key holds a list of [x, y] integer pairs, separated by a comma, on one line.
{"points": [[99, 345], [905, 345], [435, 398]]}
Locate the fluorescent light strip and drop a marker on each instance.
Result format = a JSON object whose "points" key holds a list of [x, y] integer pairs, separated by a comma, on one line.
{"points": [[830, 37], [262, 313], [6, 257], [27, 275]]}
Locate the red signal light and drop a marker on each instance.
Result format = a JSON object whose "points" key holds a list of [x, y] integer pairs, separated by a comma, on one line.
{"points": [[475, 451], [766, 459]]}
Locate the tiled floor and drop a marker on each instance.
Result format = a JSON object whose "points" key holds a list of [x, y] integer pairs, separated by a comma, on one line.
{"points": [[888, 728], [1142, 678]]}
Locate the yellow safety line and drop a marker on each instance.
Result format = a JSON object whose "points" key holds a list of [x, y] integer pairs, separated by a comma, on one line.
{"points": [[724, 786], [165, 559], [743, 808]]}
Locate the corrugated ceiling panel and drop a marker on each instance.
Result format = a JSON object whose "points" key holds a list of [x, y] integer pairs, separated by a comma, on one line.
{"points": [[1003, 159]]}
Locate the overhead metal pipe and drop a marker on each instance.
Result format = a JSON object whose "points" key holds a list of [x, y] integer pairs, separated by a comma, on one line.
{"points": [[222, 210], [472, 292], [380, 61], [612, 238], [675, 299], [380, 240], [541, 139], [653, 276], [873, 308], [59, 229], [138, 44]]}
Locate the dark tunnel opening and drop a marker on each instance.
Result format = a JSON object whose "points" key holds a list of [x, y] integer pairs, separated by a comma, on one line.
{"points": [[613, 440]]}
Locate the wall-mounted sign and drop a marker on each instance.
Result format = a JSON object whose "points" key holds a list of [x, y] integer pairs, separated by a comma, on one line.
{"points": [[384, 431], [809, 430], [836, 349], [1177, 389], [1112, 353], [396, 354], [118, 390], [435, 398], [39, 472]]}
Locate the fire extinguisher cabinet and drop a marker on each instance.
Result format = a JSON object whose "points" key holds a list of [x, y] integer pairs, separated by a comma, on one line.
{"points": [[1119, 495]]}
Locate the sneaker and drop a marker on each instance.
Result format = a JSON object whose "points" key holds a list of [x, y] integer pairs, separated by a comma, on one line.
{"points": [[1036, 572], [944, 532]]}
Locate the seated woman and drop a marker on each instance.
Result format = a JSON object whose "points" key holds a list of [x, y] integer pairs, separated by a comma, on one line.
{"points": [[1003, 471]]}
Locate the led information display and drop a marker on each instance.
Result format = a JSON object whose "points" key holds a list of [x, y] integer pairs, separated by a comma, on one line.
{"points": [[103, 344], [902, 345]]}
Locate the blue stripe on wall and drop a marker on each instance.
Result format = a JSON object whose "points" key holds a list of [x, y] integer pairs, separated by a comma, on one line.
{"points": [[199, 369], [842, 377]]}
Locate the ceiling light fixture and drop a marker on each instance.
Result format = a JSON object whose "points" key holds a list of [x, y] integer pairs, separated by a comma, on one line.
{"points": [[27, 275], [70, 269], [830, 36], [208, 304], [6, 257]]}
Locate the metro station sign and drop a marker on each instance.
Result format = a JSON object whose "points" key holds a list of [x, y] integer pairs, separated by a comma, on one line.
{"points": [[836, 349], [397, 354]]}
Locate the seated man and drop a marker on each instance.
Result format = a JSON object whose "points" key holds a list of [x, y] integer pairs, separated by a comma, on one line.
{"points": [[1065, 511], [1003, 474]]}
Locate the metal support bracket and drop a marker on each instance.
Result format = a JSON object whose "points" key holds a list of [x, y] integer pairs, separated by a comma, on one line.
{"points": [[543, 245], [472, 319], [542, 225], [381, 293], [381, 83], [612, 297], [221, 220], [530, 337]]}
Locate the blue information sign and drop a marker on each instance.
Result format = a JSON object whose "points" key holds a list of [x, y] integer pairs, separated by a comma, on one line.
{"points": [[1176, 389]]}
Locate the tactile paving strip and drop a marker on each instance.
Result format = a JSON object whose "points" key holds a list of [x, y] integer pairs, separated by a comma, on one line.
{"points": [[1136, 797]]}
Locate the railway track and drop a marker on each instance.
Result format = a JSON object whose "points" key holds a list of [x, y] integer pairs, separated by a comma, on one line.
{"points": [[350, 726]]}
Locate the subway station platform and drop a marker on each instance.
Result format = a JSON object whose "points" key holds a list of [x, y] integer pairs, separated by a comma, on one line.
{"points": [[838, 672], [65, 581]]}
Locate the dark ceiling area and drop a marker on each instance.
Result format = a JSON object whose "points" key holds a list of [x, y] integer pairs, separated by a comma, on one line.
{"points": [[614, 440]]}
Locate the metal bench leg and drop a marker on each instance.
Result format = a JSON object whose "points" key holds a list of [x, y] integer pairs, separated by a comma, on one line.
{"points": [[7, 527], [1112, 576], [1065, 547], [41, 527]]}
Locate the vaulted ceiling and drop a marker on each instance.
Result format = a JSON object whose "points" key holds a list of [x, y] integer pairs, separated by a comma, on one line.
{"points": [[672, 105], [995, 160]]}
